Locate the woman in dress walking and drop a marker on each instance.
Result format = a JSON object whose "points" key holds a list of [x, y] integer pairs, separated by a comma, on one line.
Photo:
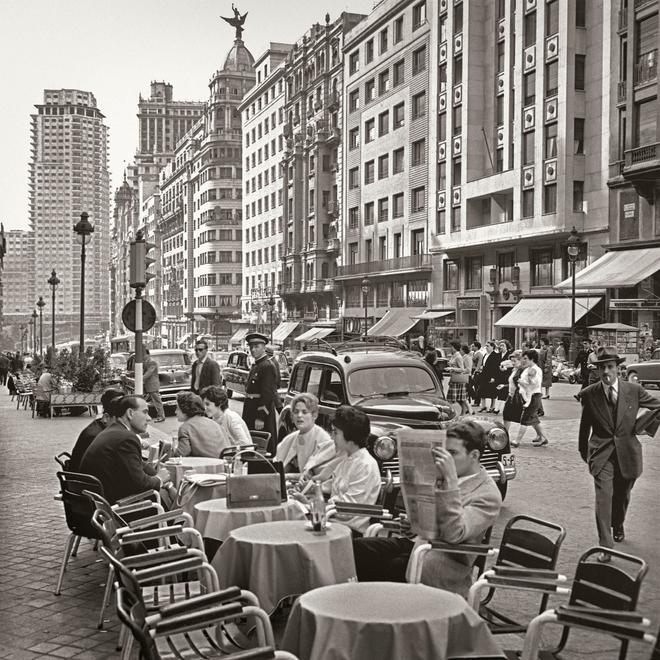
{"points": [[458, 378], [529, 386], [545, 363], [513, 406], [489, 376]]}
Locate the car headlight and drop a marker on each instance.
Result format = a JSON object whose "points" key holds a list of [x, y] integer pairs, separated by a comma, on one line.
{"points": [[497, 439], [385, 448]]}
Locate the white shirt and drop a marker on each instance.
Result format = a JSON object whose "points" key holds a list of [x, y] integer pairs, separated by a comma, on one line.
{"points": [[310, 449], [530, 382], [615, 387]]}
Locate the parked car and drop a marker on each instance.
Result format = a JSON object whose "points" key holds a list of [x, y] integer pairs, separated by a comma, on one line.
{"points": [[396, 389], [647, 372], [234, 375], [118, 362], [174, 369]]}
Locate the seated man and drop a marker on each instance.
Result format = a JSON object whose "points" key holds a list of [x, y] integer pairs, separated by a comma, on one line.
{"points": [[115, 455], [108, 400], [468, 503]]}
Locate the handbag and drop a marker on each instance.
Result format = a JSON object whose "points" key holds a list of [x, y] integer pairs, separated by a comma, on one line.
{"points": [[247, 490], [191, 484]]}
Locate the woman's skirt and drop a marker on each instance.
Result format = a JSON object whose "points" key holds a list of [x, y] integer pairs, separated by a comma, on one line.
{"points": [[457, 392], [530, 415], [513, 408]]}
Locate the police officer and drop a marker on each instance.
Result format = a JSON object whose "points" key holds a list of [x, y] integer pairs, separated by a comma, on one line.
{"points": [[261, 389]]}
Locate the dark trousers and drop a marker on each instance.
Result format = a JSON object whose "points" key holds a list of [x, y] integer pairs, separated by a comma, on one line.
{"points": [[3, 376], [381, 559], [612, 499]]}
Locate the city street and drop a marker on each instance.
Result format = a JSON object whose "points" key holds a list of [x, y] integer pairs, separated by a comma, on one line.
{"points": [[552, 483]]}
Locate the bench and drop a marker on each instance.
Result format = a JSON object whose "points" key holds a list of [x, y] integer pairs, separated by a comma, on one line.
{"points": [[89, 400]]}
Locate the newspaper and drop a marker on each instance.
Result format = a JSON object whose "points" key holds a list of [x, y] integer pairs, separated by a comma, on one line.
{"points": [[418, 477]]}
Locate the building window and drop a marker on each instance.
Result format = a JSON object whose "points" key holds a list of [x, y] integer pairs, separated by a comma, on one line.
{"points": [[499, 111], [529, 88], [458, 17], [578, 135], [384, 82], [397, 205], [383, 211], [369, 171], [354, 178], [541, 267], [419, 105], [451, 275], [398, 73], [456, 172], [550, 198], [441, 222], [645, 122], [551, 78], [383, 166], [455, 219], [354, 62], [398, 30], [550, 149], [353, 255], [398, 115], [579, 72], [458, 70], [397, 160], [442, 175], [354, 138], [368, 214], [528, 148], [500, 56], [369, 51], [369, 130], [382, 41], [369, 91], [442, 126], [418, 199], [551, 18], [418, 15], [353, 217], [383, 123], [528, 203], [505, 266], [578, 196], [581, 13], [457, 120], [530, 29], [419, 60], [354, 100], [418, 152], [442, 78], [473, 272]]}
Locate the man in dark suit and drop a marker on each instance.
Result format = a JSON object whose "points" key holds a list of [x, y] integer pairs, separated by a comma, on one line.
{"points": [[205, 370], [608, 443], [115, 455], [261, 390]]}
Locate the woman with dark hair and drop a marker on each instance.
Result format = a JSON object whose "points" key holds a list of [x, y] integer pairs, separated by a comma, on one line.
{"points": [[503, 376], [431, 358], [458, 379], [198, 435], [529, 386], [490, 375], [216, 406]]}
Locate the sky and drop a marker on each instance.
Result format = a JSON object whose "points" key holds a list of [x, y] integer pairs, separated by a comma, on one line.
{"points": [[114, 49]]}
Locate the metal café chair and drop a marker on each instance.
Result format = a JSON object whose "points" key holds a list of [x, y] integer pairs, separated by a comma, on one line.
{"points": [[260, 439]]}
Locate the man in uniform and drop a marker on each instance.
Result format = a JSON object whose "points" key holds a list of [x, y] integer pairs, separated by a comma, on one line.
{"points": [[261, 389]]}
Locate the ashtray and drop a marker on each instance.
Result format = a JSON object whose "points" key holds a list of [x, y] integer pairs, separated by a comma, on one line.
{"points": [[310, 528]]}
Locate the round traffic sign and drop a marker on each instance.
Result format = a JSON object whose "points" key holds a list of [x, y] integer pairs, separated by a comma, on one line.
{"points": [[148, 315]]}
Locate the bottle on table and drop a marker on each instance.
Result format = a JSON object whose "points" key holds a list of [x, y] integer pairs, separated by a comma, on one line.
{"points": [[317, 508]]}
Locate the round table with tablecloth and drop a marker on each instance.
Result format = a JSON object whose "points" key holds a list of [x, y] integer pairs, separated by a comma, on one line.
{"points": [[279, 559], [388, 621], [198, 464]]}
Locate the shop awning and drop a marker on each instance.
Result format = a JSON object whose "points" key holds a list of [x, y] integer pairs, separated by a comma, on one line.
{"points": [[239, 335], [430, 314], [618, 327], [283, 330], [546, 312], [315, 333], [621, 268], [395, 323]]}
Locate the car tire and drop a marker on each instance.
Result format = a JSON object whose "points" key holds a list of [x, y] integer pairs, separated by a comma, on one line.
{"points": [[503, 487], [633, 377], [230, 393]]}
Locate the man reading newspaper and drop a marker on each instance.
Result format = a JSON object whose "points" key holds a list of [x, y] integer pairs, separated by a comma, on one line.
{"points": [[464, 500]]}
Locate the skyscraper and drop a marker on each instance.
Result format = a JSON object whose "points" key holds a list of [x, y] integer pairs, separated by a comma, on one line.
{"points": [[68, 175]]}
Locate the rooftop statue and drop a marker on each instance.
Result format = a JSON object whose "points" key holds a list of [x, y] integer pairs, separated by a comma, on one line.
{"points": [[237, 21]]}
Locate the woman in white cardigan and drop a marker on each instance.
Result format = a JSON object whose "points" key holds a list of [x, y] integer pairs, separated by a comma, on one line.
{"points": [[530, 388], [216, 406]]}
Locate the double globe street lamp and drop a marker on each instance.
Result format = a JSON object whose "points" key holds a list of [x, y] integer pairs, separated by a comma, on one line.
{"points": [[53, 281], [34, 332], [41, 303], [366, 288], [84, 229], [573, 250]]}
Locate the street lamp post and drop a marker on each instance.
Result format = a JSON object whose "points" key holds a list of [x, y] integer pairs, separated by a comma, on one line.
{"points": [[366, 287], [34, 332], [573, 250], [216, 318], [22, 328], [271, 304], [41, 303], [84, 229], [53, 280]]}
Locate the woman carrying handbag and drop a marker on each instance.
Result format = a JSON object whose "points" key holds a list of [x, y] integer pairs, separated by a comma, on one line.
{"points": [[458, 379]]}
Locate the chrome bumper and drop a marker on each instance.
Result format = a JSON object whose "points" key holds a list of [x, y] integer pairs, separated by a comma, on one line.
{"points": [[501, 473]]}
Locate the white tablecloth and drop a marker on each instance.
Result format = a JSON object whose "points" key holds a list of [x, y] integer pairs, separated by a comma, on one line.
{"points": [[215, 521], [388, 621], [278, 559]]}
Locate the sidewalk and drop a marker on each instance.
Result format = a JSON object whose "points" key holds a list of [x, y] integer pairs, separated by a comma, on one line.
{"points": [[35, 622]]}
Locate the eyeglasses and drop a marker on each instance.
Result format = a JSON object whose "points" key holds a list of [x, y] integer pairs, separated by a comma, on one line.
{"points": [[199, 350]]}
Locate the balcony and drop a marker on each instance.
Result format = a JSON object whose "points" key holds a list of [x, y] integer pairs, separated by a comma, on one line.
{"points": [[333, 136], [642, 169], [332, 246], [329, 285], [288, 288], [332, 101], [332, 207], [646, 67], [415, 262]]}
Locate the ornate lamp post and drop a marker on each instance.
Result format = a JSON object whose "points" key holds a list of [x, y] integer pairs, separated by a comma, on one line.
{"points": [[84, 229], [271, 305], [22, 329], [573, 250], [34, 331], [53, 280], [216, 319], [41, 303], [366, 287]]}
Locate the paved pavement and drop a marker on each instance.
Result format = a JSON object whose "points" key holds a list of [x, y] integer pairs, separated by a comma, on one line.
{"points": [[552, 484]]}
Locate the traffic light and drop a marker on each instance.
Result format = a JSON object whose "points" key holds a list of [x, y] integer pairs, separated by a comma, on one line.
{"points": [[140, 261]]}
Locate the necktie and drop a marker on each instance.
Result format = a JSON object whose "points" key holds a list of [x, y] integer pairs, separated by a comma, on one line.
{"points": [[611, 397]]}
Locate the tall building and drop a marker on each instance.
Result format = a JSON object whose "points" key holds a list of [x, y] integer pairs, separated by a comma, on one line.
{"points": [[263, 226], [18, 279], [68, 175], [313, 162], [201, 206]]}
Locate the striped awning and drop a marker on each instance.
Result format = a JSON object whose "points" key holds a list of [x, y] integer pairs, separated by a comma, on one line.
{"points": [[283, 330], [395, 323], [239, 335], [315, 333]]}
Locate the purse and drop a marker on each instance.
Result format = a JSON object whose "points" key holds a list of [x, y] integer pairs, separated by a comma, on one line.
{"points": [[247, 490]]}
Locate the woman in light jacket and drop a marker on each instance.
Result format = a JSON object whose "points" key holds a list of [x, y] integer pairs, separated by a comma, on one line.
{"points": [[529, 386], [216, 406]]}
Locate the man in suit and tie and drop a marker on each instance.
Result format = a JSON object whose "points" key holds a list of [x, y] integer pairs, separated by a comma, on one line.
{"points": [[608, 443], [205, 370]]}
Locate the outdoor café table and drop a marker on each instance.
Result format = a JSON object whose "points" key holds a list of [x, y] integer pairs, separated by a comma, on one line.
{"points": [[388, 621], [215, 521], [278, 559], [177, 467]]}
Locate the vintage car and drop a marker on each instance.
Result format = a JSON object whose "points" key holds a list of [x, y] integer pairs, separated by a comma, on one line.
{"points": [[396, 389], [645, 373], [174, 370], [234, 375]]}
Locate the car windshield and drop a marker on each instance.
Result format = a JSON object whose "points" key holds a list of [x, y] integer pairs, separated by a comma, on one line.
{"points": [[118, 361], [388, 380], [172, 360]]}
